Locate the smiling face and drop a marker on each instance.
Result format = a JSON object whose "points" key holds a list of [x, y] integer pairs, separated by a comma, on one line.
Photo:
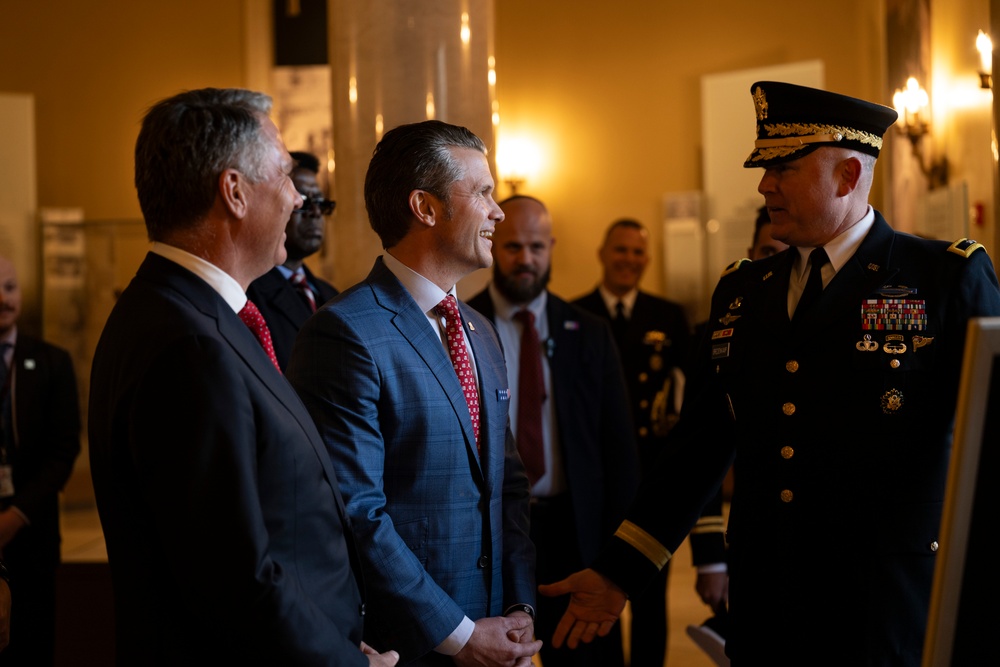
{"points": [[10, 296], [271, 201], [624, 257], [470, 216], [522, 250]]}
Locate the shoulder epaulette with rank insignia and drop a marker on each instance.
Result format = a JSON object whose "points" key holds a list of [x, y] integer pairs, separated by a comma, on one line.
{"points": [[734, 266], [965, 247]]}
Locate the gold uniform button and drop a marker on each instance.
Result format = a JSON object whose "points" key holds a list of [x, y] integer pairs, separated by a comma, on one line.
{"points": [[787, 452], [934, 546], [643, 377], [792, 366], [643, 431], [788, 408], [786, 496], [643, 404], [894, 363]]}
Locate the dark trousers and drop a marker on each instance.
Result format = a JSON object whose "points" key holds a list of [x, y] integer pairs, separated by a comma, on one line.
{"points": [[553, 531], [648, 639], [33, 605]]}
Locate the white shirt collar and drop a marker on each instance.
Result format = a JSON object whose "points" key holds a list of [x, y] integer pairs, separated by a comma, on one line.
{"points": [[841, 248], [217, 279], [424, 292], [611, 301]]}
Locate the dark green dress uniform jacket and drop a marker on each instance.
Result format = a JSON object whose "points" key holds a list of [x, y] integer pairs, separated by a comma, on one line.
{"points": [[841, 431]]}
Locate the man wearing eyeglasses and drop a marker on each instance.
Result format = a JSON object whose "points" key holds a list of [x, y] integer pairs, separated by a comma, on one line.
{"points": [[289, 294]]}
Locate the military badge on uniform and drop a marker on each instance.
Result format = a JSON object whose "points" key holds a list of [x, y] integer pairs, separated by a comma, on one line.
{"points": [[922, 341], [728, 319], [893, 314], [736, 303], [894, 344], [721, 333], [892, 401], [656, 338], [867, 345]]}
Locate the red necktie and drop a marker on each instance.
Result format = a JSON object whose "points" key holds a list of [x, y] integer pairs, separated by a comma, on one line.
{"points": [[530, 396], [298, 280], [255, 321], [448, 309]]}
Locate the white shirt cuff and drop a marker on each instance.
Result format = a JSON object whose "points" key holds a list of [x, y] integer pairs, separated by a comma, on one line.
{"points": [[457, 640]]}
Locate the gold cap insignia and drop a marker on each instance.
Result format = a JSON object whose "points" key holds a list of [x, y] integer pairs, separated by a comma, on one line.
{"points": [[760, 103]]}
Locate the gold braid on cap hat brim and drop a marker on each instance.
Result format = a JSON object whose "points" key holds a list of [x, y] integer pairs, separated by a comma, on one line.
{"points": [[798, 135]]}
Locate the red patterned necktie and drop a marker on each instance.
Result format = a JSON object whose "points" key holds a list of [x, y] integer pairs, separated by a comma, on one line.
{"points": [[255, 321], [448, 309], [298, 280], [530, 396]]}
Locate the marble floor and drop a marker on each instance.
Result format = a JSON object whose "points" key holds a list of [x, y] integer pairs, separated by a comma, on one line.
{"points": [[83, 542]]}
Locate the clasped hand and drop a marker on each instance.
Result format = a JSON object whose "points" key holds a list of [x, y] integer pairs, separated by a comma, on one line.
{"points": [[500, 641]]}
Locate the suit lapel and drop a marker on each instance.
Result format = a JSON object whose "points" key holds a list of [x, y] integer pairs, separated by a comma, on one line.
{"points": [[412, 324]]}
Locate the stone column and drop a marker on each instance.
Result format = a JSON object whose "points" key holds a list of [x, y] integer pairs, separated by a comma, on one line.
{"points": [[394, 62]]}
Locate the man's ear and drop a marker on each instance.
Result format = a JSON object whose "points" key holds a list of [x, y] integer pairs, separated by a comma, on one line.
{"points": [[425, 207], [232, 190], [850, 175]]}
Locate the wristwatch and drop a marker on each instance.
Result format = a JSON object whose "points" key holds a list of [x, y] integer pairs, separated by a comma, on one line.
{"points": [[526, 608]]}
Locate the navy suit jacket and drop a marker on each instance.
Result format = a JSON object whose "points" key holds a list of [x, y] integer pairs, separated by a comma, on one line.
{"points": [[227, 537], [284, 308], [46, 428], [595, 430], [442, 527], [841, 428]]}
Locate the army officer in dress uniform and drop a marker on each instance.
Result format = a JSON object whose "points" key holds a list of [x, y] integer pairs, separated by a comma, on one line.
{"points": [[838, 411]]}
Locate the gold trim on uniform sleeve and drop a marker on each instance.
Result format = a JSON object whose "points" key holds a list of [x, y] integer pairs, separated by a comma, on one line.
{"points": [[708, 524], [644, 543]]}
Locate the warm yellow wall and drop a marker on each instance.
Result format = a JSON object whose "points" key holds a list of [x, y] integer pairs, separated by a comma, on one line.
{"points": [[612, 89], [94, 67], [613, 92]]}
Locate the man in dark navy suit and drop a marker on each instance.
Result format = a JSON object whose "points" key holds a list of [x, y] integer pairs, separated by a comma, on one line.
{"points": [[829, 373], [289, 294], [590, 464], [39, 443], [227, 536]]}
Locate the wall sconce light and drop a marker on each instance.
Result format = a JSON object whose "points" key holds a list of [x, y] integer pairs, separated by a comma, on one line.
{"points": [[518, 160], [912, 104], [985, 47]]}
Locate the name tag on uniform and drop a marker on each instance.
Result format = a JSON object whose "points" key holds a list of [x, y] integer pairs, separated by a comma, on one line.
{"points": [[720, 351]]}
